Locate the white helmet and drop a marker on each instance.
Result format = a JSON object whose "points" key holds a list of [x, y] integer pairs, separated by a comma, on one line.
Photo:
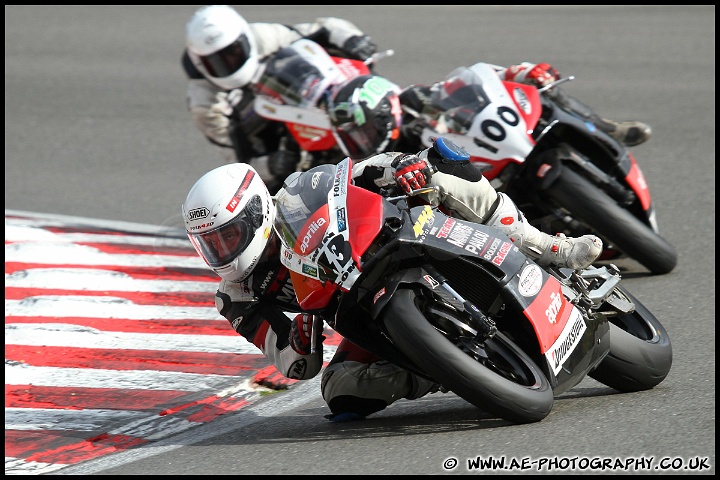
{"points": [[221, 45], [228, 217]]}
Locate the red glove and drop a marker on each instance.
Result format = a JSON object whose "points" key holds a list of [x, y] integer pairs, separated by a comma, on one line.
{"points": [[300, 333], [411, 172], [540, 74]]}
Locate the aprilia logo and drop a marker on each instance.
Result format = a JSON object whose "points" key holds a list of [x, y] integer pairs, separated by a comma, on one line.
{"points": [[552, 311]]}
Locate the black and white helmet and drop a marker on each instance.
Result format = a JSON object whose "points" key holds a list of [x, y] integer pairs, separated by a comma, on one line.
{"points": [[366, 115]]}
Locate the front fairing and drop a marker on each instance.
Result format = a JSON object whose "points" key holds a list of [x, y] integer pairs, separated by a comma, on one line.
{"points": [[303, 195], [325, 224], [493, 120], [299, 74], [570, 342], [292, 88]]}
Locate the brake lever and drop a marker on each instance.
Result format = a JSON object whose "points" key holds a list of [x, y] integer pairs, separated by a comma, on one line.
{"points": [[557, 82], [379, 56]]}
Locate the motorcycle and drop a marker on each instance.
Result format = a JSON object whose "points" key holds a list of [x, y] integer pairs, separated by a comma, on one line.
{"points": [[456, 302], [566, 174], [292, 90]]}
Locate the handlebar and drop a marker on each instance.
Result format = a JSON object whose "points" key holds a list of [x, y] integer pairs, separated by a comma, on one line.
{"points": [[390, 197], [557, 82], [379, 56]]}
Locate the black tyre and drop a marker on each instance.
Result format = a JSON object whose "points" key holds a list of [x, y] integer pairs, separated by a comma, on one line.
{"points": [[592, 206], [496, 376], [640, 351]]}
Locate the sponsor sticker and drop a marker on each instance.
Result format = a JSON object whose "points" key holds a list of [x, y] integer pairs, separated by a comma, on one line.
{"points": [[426, 218], [502, 253], [530, 281], [341, 221], [460, 235], [568, 340], [430, 280], [309, 270], [522, 101]]}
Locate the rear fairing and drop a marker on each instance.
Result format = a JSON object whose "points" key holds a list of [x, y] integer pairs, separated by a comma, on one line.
{"points": [[559, 126]]}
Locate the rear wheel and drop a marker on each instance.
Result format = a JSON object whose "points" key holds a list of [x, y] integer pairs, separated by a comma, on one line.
{"points": [[595, 208], [495, 375], [640, 354]]}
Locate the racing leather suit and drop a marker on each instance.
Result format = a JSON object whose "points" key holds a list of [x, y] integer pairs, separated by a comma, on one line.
{"points": [[227, 119], [355, 380]]}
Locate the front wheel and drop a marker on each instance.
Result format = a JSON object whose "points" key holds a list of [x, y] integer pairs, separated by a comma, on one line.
{"points": [[495, 375], [595, 208], [640, 354]]}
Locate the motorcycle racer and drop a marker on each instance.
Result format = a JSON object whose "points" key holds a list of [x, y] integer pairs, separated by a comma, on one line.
{"points": [[417, 105], [630, 133], [224, 57], [229, 215]]}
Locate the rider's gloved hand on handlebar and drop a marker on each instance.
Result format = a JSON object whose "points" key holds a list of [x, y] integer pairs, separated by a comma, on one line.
{"points": [[360, 47], [540, 74], [300, 331], [411, 172]]}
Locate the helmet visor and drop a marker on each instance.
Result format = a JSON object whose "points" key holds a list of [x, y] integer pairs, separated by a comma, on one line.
{"points": [[222, 245], [229, 60]]}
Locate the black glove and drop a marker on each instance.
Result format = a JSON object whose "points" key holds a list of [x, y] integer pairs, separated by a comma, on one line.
{"points": [[411, 172], [300, 329], [360, 47], [416, 97]]}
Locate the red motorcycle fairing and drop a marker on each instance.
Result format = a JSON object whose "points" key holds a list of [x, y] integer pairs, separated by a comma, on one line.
{"points": [[361, 216], [316, 139], [296, 79], [310, 138], [546, 307], [637, 182], [312, 293], [558, 324], [351, 68], [313, 231], [527, 99], [365, 223]]}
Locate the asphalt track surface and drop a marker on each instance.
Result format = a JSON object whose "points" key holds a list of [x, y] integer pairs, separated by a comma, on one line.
{"points": [[96, 126]]}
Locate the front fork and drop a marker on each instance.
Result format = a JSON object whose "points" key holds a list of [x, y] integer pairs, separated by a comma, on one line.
{"points": [[317, 325]]}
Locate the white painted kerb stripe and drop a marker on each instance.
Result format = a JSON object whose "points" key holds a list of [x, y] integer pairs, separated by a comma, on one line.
{"points": [[64, 335], [101, 280], [58, 306], [22, 374], [54, 253], [23, 233]]}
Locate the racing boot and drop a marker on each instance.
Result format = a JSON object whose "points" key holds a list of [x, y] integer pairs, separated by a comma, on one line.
{"points": [[628, 133], [575, 253]]}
